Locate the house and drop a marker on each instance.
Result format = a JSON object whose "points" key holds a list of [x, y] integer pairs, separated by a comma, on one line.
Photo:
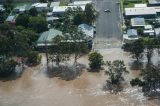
{"points": [[137, 22], [51, 19], [154, 2], [46, 38], [79, 3], [87, 30], [59, 10], [20, 9], [40, 6], [54, 4], [11, 19], [157, 32], [1, 8], [131, 36], [146, 12], [148, 30], [140, 5]]}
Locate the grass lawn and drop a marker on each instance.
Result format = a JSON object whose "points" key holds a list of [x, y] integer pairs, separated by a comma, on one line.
{"points": [[130, 4], [64, 2]]}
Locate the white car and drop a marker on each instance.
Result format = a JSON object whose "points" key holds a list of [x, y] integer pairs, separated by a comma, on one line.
{"points": [[107, 10]]}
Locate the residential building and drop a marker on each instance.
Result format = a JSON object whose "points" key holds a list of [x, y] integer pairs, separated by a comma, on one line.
{"points": [[154, 2], [140, 5], [53, 4], [40, 6], [157, 32], [1, 8], [148, 30], [146, 12], [87, 30], [46, 38], [59, 10], [11, 19], [79, 3], [137, 22], [131, 36]]}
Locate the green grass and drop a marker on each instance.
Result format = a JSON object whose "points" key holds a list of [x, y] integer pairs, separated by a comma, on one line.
{"points": [[129, 4], [64, 2]]}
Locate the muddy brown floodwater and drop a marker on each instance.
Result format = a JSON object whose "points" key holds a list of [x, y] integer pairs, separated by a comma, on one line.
{"points": [[35, 88]]}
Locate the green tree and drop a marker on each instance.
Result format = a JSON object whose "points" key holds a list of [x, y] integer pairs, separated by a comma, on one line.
{"points": [[95, 60], [8, 5], [7, 67], [137, 48], [33, 12], [151, 79], [23, 20], [4, 46], [4, 27], [33, 58], [149, 47], [39, 24], [3, 16], [76, 41], [59, 52], [78, 19], [115, 71], [89, 14]]}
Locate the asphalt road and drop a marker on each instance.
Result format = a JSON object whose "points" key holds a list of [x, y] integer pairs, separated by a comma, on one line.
{"points": [[108, 25]]}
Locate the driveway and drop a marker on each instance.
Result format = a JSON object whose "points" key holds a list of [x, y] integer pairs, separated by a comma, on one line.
{"points": [[108, 24]]}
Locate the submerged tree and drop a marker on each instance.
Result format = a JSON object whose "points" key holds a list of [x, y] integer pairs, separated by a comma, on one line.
{"points": [[137, 48], [115, 71], [151, 79], [95, 60], [89, 14]]}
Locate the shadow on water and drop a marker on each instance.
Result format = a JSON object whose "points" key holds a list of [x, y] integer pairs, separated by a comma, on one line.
{"points": [[136, 65], [14, 75], [65, 72], [113, 88], [153, 95]]}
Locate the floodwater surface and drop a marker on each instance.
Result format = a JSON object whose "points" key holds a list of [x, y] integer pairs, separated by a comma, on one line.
{"points": [[35, 88]]}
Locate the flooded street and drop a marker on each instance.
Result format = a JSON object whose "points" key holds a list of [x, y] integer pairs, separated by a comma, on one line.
{"points": [[35, 88]]}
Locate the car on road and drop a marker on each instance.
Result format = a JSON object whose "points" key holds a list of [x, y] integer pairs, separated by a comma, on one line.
{"points": [[107, 10]]}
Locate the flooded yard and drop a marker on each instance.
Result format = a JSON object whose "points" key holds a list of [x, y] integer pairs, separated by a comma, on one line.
{"points": [[35, 88]]}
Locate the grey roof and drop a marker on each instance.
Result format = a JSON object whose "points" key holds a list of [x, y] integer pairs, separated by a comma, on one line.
{"points": [[141, 11], [132, 32], [154, 1], [10, 18], [87, 30], [48, 36], [137, 22], [51, 18]]}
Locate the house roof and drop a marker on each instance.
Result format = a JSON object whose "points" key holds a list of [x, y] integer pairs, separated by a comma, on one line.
{"points": [[63, 8], [87, 30], [2, 8], [148, 27], [132, 32], [40, 5], [51, 18], [140, 5], [10, 18], [154, 1], [48, 36], [54, 4], [79, 3], [140, 11], [137, 22]]}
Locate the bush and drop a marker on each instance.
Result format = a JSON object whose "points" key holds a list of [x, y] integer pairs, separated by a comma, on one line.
{"points": [[96, 60], [7, 67], [33, 58], [135, 82]]}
